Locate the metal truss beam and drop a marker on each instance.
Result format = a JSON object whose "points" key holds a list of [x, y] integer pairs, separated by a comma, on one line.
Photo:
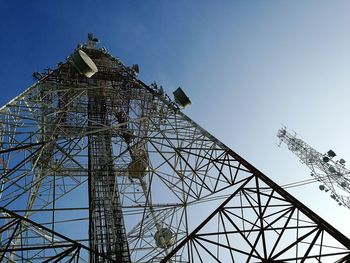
{"points": [[55, 248]]}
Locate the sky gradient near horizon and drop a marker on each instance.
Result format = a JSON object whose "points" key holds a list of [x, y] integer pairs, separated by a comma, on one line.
{"points": [[249, 67]]}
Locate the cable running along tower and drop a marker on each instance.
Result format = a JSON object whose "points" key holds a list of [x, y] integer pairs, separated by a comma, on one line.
{"points": [[331, 173], [97, 166]]}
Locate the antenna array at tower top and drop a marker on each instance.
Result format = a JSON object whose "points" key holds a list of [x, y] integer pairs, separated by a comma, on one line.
{"points": [[330, 171]]}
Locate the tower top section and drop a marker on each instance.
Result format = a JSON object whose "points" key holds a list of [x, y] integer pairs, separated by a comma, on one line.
{"points": [[95, 62], [331, 173]]}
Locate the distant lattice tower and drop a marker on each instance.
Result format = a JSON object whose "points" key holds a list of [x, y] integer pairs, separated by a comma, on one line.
{"points": [[331, 173], [97, 166]]}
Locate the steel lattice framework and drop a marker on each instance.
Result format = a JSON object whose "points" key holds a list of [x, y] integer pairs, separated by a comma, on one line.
{"points": [[333, 175], [108, 169]]}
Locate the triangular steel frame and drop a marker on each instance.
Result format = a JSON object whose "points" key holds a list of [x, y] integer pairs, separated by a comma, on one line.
{"points": [[180, 169]]}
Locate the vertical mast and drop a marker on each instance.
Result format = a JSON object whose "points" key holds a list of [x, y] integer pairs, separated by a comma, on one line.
{"points": [[107, 231], [106, 225], [330, 172]]}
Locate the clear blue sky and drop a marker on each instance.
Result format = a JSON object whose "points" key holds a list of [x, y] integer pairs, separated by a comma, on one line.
{"points": [[248, 67]]}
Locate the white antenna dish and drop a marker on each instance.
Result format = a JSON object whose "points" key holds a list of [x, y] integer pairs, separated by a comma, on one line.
{"points": [[181, 98], [83, 64]]}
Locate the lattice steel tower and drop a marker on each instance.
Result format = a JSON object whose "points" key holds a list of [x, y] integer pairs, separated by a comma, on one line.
{"points": [[97, 166], [332, 173]]}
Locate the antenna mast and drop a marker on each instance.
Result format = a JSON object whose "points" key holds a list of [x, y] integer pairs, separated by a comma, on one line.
{"points": [[333, 175]]}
